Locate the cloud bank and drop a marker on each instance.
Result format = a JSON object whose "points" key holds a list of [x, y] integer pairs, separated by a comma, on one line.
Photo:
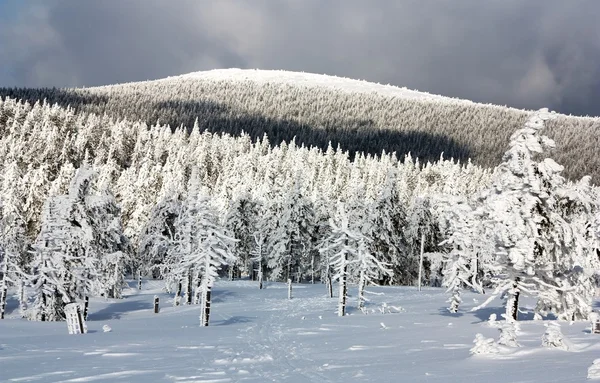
{"points": [[524, 54]]}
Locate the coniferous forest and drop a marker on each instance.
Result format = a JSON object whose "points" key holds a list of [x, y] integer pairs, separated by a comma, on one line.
{"points": [[186, 180]]}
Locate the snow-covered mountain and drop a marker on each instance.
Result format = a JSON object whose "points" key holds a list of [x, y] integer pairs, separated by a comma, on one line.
{"points": [[318, 109]]}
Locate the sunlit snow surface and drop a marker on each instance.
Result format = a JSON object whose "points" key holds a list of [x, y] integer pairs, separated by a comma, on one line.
{"points": [[310, 80], [261, 336]]}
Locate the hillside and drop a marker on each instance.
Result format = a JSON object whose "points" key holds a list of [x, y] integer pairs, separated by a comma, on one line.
{"points": [[316, 109]]}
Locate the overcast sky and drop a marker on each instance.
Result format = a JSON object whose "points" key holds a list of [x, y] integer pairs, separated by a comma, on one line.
{"points": [[523, 53]]}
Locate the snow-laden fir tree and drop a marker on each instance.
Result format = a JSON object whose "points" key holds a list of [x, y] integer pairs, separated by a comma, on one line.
{"points": [[420, 233], [340, 244], [368, 267], [351, 258], [386, 222], [515, 211], [65, 265], [13, 244], [201, 246], [462, 265], [112, 247], [292, 233], [241, 223], [258, 257], [568, 288], [158, 237]]}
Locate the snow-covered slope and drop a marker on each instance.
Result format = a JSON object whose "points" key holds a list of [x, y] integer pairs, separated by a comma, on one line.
{"points": [[359, 116], [261, 336], [304, 79]]}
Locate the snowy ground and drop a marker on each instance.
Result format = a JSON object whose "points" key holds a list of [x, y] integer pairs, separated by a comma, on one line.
{"points": [[261, 336]]}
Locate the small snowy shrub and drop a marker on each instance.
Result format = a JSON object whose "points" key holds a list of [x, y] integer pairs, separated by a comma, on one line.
{"points": [[594, 370], [492, 321], [484, 345], [553, 337], [508, 334]]}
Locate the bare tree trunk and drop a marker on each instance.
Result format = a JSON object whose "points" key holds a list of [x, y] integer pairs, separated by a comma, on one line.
{"points": [[22, 300], [289, 283], [260, 275], [177, 300], [312, 269], [329, 287], [512, 301], [421, 260], [139, 279], [3, 287], [86, 307], [188, 296], [361, 290], [343, 288], [205, 307]]}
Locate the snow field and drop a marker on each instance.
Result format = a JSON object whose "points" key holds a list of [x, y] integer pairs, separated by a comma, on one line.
{"points": [[261, 336]]}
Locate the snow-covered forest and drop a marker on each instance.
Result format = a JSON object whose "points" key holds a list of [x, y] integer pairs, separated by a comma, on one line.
{"points": [[318, 109], [87, 199]]}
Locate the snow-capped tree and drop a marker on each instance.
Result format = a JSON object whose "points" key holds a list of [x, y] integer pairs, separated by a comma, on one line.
{"points": [[351, 258], [65, 265], [291, 234], [515, 209], [258, 257], [421, 235], [201, 247], [462, 266], [13, 244], [386, 222], [368, 267], [158, 237], [241, 222], [80, 250], [112, 247]]}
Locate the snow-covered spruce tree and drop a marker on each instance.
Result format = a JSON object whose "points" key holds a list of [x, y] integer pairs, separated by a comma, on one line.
{"points": [[241, 223], [343, 253], [461, 263], [201, 246], [65, 262], [80, 251], [351, 258], [157, 238], [387, 220], [516, 211], [368, 267], [12, 250], [258, 257], [112, 247], [421, 236], [292, 233], [568, 288]]}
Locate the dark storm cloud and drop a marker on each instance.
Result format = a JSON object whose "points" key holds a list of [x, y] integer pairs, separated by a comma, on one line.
{"points": [[522, 53]]}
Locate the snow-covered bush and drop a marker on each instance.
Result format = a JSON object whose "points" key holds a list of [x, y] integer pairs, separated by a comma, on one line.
{"points": [[508, 334], [594, 370], [484, 345], [554, 338]]}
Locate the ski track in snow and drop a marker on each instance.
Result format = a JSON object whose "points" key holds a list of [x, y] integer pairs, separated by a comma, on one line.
{"points": [[261, 336]]}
